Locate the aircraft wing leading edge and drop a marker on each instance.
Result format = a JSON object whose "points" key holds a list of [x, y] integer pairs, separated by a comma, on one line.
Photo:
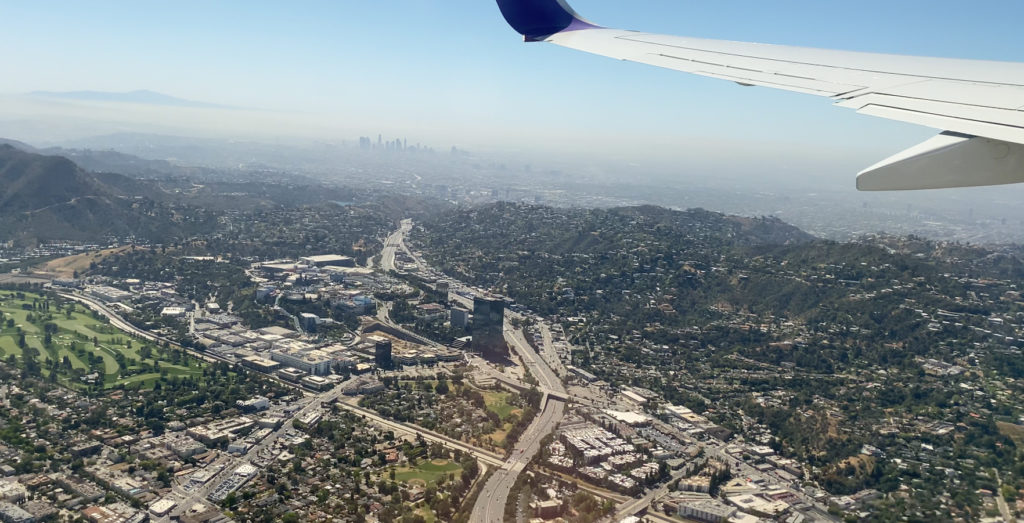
{"points": [[978, 105]]}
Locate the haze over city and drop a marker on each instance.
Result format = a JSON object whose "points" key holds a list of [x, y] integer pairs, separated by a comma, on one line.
{"points": [[389, 263], [452, 73]]}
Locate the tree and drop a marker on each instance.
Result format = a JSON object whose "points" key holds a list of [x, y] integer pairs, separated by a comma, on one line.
{"points": [[442, 387], [1009, 493]]}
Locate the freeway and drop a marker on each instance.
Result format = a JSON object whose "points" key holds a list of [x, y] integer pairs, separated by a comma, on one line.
{"points": [[549, 352], [384, 316], [537, 365], [392, 244], [490, 506], [488, 457], [117, 321]]}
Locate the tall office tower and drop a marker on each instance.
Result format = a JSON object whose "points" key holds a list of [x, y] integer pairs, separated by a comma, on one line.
{"points": [[382, 354], [488, 323]]}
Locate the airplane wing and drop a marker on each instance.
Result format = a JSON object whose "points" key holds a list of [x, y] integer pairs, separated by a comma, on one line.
{"points": [[978, 105]]}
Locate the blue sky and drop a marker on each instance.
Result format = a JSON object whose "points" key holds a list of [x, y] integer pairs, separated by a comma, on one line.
{"points": [[451, 71]]}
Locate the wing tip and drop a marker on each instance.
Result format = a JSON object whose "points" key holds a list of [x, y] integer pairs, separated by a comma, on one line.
{"points": [[948, 160], [536, 20]]}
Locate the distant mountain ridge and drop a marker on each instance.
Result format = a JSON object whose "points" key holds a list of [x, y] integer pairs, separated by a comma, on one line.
{"points": [[141, 96], [52, 198], [30, 181], [18, 145]]}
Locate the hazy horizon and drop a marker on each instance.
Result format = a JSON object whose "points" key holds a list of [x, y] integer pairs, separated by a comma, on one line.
{"points": [[324, 74], [455, 74]]}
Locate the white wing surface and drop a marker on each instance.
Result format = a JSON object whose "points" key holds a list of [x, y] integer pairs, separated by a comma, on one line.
{"points": [[979, 105]]}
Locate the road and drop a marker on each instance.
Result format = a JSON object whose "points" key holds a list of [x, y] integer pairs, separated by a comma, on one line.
{"points": [[537, 365], [280, 309], [549, 352], [741, 468], [230, 464], [1004, 508], [117, 321], [392, 244], [490, 506], [632, 507], [186, 499], [190, 498], [384, 316], [488, 457]]}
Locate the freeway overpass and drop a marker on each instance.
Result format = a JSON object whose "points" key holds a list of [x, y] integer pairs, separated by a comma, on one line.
{"points": [[490, 506], [485, 456]]}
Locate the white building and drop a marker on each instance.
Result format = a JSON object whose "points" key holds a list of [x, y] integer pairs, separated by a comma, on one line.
{"points": [[13, 491], [108, 294], [173, 312], [312, 362], [709, 510], [161, 507], [257, 403]]}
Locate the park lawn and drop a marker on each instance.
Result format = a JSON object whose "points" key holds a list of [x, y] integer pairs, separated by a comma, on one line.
{"points": [[426, 513], [1012, 431], [427, 471], [497, 402], [498, 436]]}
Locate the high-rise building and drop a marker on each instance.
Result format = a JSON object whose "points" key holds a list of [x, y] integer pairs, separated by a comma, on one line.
{"points": [[488, 325], [308, 321], [460, 317], [382, 353]]}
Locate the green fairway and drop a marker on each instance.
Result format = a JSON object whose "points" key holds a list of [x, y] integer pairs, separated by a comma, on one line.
{"points": [[141, 377], [76, 363], [89, 344], [20, 320], [110, 366], [9, 346], [82, 324]]}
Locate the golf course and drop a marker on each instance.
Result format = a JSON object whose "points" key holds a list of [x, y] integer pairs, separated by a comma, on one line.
{"points": [[48, 336]]}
